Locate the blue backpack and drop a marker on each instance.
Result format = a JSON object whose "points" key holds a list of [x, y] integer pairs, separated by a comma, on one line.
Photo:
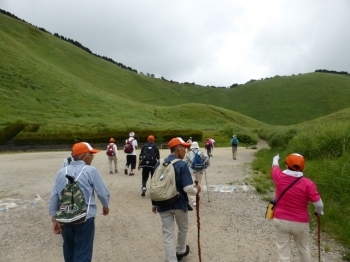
{"points": [[197, 162]]}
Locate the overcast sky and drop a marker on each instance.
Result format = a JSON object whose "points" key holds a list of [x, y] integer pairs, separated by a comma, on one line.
{"points": [[216, 43]]}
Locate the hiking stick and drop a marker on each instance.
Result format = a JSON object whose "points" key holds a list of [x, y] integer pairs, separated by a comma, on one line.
{"points": [[206, 183], [198, 225], [319, 236]]}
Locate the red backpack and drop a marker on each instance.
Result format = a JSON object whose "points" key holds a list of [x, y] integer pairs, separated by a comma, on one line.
{"points": [[110, 151], [128, 147]]}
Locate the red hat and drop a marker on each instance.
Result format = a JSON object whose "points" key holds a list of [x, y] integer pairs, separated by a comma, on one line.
{"points": [[178, 141], [295, 162], [150, 138], [112, 140], [82, 148]]}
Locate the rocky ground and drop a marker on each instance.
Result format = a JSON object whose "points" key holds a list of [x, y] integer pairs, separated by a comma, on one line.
{"points": [[232, 223]]}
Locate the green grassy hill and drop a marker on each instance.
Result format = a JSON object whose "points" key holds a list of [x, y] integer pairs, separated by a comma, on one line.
{"points": [[46, 80]]}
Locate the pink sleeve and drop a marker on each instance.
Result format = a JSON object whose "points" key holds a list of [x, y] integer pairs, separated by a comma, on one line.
{"points": [[314, 196]]}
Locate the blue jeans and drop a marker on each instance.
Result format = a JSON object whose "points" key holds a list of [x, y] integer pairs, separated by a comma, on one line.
{"points": [[78, 241]]}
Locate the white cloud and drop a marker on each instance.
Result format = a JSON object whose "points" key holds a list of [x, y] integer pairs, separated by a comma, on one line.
{"points": [[207, 42]]}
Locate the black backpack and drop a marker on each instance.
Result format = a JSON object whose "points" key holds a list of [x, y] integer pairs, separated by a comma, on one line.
{"points": [[148, 156]]}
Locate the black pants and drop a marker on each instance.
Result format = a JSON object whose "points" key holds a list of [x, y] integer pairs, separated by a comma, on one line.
{"points": [[146, 171]]}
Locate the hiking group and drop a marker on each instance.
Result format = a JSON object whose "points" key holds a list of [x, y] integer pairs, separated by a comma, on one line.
{"points": [[175, 182]]}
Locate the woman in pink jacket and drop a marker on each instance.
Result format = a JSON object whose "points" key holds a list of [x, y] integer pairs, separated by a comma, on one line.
{"points": [[291, 218]]}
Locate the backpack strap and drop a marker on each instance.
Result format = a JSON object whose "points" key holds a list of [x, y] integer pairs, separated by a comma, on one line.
{"points": [[88, 206]]}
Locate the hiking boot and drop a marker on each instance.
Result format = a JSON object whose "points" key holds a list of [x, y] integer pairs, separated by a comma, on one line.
{"points": [[110, 172], [181, 256], [131, 174], [143, 191], [125, 171]]}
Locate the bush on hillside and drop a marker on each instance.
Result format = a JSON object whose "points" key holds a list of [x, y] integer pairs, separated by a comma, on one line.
{"points": [[10, 131]]}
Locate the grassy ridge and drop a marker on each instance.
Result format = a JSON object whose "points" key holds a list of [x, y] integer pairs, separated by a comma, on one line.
{"points": [[50, 82], [43, 78]]}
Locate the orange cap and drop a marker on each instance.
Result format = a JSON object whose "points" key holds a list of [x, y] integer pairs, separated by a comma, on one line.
{"points": [[112, 140], [82, 148], [150, 138], [178, 141], [295, 162]]}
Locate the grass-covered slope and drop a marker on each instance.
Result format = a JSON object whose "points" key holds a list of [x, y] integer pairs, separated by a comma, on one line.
{"points": [[45, 79]]}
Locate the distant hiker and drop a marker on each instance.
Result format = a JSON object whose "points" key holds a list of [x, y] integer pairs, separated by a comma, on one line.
{"points": [[148, 158], [197, 168], [78, 238], [190, 142], [67, 161], [178, 211], [212, 144], [234, 144], [291, 217], [112, 155], [130, 151], [209, 147]]}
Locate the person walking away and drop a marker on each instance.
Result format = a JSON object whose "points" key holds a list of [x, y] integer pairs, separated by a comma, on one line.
{"points": [[112, 155], [209, 147], [148, 158], [234, 144], [190, 142], [212, 144], [291, 218], [130, 157], [67, 161], [196, 173], [78, 238], [177, 211]]}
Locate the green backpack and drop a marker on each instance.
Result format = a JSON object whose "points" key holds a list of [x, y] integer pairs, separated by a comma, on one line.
{"points": [[71, 203]]}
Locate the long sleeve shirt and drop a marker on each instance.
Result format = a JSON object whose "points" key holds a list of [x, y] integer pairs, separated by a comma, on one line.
{"points": [[90, 182]]}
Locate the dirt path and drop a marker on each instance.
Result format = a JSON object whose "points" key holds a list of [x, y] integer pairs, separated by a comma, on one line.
{"points": [[233, 227]]}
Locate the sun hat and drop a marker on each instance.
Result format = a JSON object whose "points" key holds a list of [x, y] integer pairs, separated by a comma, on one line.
{"points": [[178, 141], [150, 138], [82, 148], [132, 134], [295, 162], [233, 135], [194, 145], [111, 140]]}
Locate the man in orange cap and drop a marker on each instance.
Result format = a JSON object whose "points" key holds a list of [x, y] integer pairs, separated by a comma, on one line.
{"points": [[112, 154], [78, 238], [179, 210], [148, 158]]}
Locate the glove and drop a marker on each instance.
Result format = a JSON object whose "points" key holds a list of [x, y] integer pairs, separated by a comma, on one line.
{"points": [[275, 160]]}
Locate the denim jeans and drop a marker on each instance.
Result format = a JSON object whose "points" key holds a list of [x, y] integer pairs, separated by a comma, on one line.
{"points": [[78, 241]]}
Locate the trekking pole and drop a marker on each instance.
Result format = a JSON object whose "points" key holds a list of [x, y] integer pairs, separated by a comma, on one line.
{"points": [[206, 183], [198, 225], [319, 236]]}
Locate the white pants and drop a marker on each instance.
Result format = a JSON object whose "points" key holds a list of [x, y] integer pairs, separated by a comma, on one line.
{"points": [[168, 220], [110, 160], [284, 231]]}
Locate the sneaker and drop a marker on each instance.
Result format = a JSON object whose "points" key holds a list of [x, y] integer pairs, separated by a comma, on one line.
{"points": [[143, 191], [125, 171], [181, 256], [110, 172], [194, 203], [131, 174], [116, 171]]}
